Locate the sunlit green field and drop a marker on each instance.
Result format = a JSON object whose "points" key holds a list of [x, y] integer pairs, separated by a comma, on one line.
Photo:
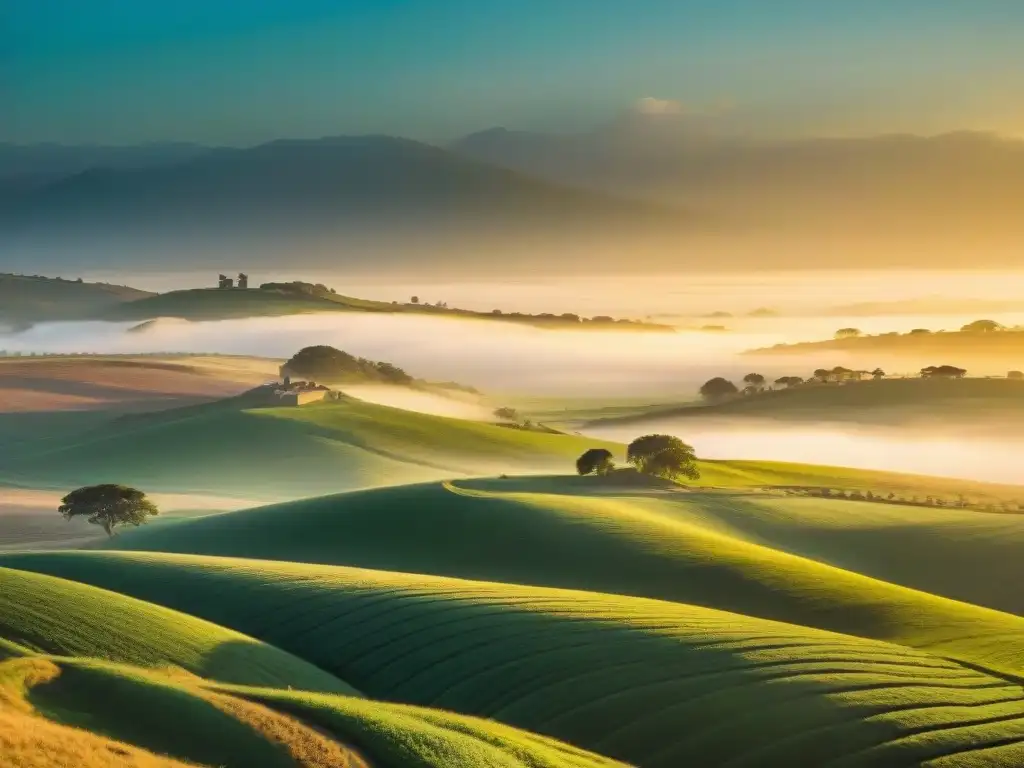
{"points": [[428, 592]]}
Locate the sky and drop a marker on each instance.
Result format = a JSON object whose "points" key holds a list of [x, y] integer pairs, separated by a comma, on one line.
{"points": [[239, 72]]}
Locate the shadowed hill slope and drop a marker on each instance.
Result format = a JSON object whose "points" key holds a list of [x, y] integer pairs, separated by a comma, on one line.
{"points": [[613, 674], [62, 711], [26, 299]]}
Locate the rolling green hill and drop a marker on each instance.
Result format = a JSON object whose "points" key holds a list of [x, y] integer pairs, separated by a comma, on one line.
{"points": [[651, 682], [934, 403], [26, 299], [283, 453], [753, 553], [224, 304], [69, 619], [289, 452], [217, 304], [58, 711]]}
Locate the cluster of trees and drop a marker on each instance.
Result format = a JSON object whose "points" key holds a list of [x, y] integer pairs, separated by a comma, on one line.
{"points": [[943, 372], [656, 455], [720, 388], [324, 363], [978, 326], [317, 290]]}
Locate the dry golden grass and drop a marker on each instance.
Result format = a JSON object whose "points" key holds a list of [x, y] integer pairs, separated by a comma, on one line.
{"points": [[32, 742], [308, 747]]}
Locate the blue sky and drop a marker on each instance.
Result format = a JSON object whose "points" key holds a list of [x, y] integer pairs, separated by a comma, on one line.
{"points": [[244, 71]]}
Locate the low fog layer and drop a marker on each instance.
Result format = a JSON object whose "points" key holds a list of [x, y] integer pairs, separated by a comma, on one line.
{"points": [[456, 405], [491, 356], [893, 450], [494, 356]]}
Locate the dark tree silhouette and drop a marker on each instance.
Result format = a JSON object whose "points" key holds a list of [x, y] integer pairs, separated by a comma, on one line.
{"points": [[789, 381], [878, 373], [718, 389], [821, 374], [663, 456], [848, 333], [108, 506], [755, 380], [982, 326], [323, 363], [1015, 375], [506, 414], [943, 372], [595, 461]]}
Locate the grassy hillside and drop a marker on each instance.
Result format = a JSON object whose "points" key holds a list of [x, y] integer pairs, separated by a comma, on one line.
{"points": [[61, 711], [890, 402], [617, 675], [289, 452], [66, 618], [218, 304], [790, 559], [960, 347], [282, 453], [28, 299]]}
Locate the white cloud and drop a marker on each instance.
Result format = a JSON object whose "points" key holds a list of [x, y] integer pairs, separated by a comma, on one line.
{"points": [[649, 105]]}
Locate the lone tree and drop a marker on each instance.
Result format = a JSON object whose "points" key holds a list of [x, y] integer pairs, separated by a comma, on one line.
{"points": [[507, 414], [848, 333], [596, 461], [663, 456], [1015, 375], [755, 380], [943, 372], [108, 505], [718, 389], [323, 363], [982, 326], [877, 374]]}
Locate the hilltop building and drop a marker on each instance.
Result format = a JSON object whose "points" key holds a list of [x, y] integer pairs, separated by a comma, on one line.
{"points": [[243, 280], [290, 392], [223, 281]]}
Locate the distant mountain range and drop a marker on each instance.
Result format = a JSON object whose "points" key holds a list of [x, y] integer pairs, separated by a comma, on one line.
{"points": [[365, 202], [646, 192]]}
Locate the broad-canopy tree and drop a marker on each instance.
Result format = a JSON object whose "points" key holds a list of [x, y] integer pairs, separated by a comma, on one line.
{"points": [[718, 389], [506, 414], [848, 333], [878, 373], [597, 461], [789, 381], [1015, 375], [663, 456], [943, 372], [754, 380], [108, 505], [324, 363], [982, 326]]}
